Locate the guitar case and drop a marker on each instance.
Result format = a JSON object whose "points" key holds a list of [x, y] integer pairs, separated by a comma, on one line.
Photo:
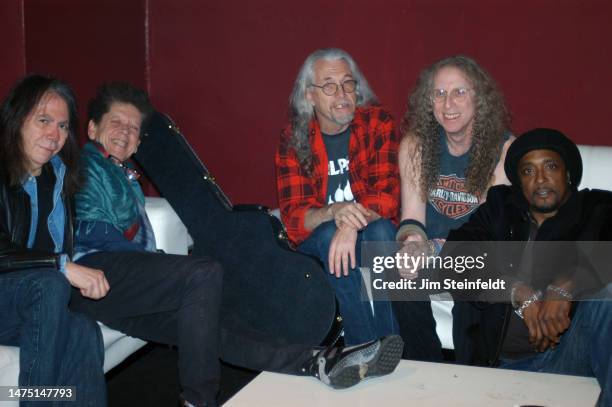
{"points": [[269, 288]]}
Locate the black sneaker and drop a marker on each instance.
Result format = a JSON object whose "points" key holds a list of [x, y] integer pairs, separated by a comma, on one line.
{"points": [[345, 367]]}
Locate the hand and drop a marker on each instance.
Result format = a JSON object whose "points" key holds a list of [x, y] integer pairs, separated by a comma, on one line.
{"points": [[91, 282], [342, 251], [351, 214], [522, 292], [554, 318], [531, 318], [413, 246]]}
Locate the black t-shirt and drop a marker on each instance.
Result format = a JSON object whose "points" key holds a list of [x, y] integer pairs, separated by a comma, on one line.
{"points": [[44, 190], [516, 343], [338, 183]]}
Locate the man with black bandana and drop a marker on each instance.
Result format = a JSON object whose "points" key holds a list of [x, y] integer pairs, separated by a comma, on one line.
{"points": [[549, 331]]}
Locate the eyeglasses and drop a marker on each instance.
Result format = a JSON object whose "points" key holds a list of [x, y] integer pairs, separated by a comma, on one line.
{"points": [[457, 95], [330, 88]]}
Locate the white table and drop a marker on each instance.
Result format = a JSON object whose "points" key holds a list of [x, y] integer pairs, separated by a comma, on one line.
{"points": [[424, 384]]}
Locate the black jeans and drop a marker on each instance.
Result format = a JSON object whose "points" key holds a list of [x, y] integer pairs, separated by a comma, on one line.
{"points": [[418, 330], [176, 300]]}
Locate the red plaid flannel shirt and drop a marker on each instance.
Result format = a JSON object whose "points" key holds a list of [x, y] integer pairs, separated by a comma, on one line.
{"points": [[373, 171]]}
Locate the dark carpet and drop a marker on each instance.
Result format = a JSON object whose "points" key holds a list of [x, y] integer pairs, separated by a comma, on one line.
{"points": [[149, 377]]}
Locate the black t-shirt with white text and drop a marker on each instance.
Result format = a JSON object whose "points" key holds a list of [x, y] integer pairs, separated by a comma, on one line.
{"points": [[338, 183]]}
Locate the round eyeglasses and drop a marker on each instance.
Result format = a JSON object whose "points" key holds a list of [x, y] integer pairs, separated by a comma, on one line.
{"points": [[330, 88], [457, 95]]}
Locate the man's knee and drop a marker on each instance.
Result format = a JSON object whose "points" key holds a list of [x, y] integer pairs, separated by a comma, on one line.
{"points": [[381, 230], [49, 287], [317, 244], [89, 335], [204, 274], [325, 232]]}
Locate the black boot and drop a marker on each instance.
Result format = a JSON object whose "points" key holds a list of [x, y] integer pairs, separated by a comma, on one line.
{"points": [[345, 367]]}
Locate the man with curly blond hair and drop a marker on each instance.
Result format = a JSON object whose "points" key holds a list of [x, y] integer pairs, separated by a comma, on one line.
{"points": [[456, 134]]}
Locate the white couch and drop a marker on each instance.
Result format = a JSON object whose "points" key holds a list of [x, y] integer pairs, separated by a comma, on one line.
{"points": [[172, 237]]}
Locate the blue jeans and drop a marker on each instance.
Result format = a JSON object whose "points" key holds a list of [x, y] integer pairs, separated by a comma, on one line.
{"points": [[57, 347], [360, 325], [585, 348]]}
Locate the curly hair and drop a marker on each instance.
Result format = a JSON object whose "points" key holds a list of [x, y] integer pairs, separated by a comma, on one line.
{"points": [[301, 112], [491, 121]]}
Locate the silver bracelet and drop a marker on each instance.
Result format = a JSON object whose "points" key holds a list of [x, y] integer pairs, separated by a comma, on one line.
{"points": [[562, 292], [531, 300]]}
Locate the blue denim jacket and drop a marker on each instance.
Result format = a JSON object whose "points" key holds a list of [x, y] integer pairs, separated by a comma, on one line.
{"points": [[57, 217]]}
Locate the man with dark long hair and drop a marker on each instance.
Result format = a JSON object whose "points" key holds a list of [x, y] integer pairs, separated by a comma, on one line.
{"points": [[456, 134], [38, 177]]}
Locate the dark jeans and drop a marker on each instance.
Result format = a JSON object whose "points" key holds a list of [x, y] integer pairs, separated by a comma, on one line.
{"points": [[57, 347], [418, 330], [176, 300], [585, 348], [360, 325]]}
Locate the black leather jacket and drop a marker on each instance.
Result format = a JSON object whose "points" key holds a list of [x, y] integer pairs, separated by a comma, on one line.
{"points": [[15, 213], [479, 330]]}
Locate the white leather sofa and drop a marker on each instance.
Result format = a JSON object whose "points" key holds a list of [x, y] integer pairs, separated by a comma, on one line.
{"points": [[172, 237]]}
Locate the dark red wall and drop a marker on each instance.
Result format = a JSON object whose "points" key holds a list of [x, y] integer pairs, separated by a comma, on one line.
{"points": [[224, 70], [86, 42], [12, 62]]}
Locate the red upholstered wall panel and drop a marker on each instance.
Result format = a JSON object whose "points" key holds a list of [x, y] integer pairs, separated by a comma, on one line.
{"points": [[12, 62], [86, 42], [224, 70]]}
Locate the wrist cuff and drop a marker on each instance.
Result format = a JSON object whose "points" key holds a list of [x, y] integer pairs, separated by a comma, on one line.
{"points": [[62, 259], [410, 226]]}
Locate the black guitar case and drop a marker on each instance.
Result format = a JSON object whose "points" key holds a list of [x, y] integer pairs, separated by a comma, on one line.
{"points": [[268, 287]]}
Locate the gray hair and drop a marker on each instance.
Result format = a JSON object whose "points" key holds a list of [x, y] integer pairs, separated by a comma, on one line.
{"points": [[301, 111]]}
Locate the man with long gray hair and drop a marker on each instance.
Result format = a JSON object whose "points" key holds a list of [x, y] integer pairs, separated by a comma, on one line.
{"points": [[338, 182]]}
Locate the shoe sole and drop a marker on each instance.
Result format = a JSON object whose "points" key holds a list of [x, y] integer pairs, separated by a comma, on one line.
{"points": [[378, 359]]}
